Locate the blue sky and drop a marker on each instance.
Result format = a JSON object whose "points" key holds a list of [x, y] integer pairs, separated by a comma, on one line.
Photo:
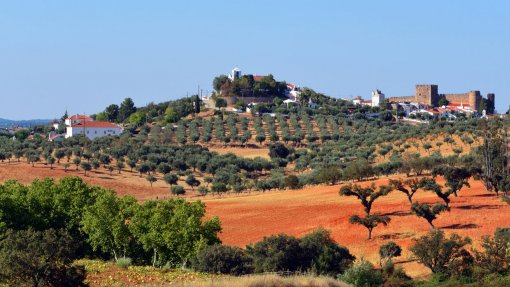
{"points": [[83, 55]]}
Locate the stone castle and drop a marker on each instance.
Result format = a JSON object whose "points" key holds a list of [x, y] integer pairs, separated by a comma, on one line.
{"points": [[429, 95]]}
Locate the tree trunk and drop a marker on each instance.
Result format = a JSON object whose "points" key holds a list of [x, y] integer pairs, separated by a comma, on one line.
{"points": [[431, 224], [154, 260], [369, 233]]}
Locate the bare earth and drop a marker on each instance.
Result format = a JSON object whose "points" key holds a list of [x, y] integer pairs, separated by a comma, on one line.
{"points": [[248, 218]]}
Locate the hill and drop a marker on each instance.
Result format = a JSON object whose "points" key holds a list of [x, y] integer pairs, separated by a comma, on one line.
{"points": [[5, 123]]}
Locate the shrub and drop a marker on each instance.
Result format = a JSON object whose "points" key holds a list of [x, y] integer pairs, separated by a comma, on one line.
{"points": [[322, 255], [292, 182], [123, 262], [222, 259], [275, 253], [39, 258], [178, 190], [363, 275]]}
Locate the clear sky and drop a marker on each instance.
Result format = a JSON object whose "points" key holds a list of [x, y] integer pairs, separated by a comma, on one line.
{"points": [[85, 54]]}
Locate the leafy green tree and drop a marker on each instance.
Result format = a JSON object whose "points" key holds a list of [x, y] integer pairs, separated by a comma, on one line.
{"points": [[112, 112], [493, 256], [399, 184], [440, 254], [106, 223], [177, 190], [101, 117], [39, 258], [219, 81], [428, 212], [137, 118], [219, 187], [119, 166], [174, 230], [171, 178], [192, 181], [151, 179], [143, 168], [370, 221], [51, 161], [390, 250], [86, 167], [203, 190], [170, 115], [32, 156], [456, 177], [278, 150], [22, 135], [77, 162], [127, 108], [59, 154], [220, 103], [367, 195], [430, 184], [329, 174]]}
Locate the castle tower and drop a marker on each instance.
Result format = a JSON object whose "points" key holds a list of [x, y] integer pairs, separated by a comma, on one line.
{"points": [[427, 94], [475, 99], [377, 98], [491, 102], [235, 74]]}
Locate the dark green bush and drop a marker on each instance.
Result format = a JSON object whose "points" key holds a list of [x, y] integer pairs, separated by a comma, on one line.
{"points": [[222, 259]]}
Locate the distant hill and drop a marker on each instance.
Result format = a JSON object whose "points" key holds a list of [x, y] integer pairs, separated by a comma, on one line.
{"points": [[4, 123]]}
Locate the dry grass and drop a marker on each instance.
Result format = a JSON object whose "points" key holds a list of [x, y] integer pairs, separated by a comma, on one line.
{"points": [[243, 152], [268, 281]]}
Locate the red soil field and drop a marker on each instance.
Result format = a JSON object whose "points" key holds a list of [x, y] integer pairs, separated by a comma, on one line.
{"points": [[126, 183]]}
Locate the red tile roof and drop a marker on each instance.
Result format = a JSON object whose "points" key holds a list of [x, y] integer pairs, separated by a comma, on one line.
{"points": [[258, 78], [80, 117], [95, 125]]}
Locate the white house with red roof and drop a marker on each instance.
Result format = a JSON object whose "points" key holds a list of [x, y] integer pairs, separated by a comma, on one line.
{"points": [[77, 119], [93, 130]]}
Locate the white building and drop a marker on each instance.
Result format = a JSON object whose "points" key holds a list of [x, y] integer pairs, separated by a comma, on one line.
{"points": [[74, 119], [377, 98], [93, 130], [235, 74]]}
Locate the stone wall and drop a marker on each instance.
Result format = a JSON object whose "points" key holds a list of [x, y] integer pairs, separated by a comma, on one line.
{"points": [[472, 98], [402, 99]]}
